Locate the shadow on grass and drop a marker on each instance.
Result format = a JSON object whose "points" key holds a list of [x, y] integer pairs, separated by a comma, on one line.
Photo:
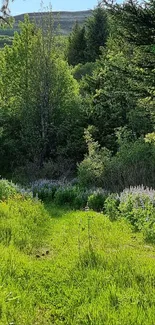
{"points": [[56, 211]]}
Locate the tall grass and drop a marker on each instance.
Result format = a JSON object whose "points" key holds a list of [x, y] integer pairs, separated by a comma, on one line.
{"points": [[81, 269], [23, 223]]}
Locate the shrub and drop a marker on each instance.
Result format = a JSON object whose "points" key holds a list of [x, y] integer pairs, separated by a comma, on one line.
{"points": [[74, 196], [66, 195], [149, 229], [91, 169], [96, 200], [80, 200], [111, 206], [136, 207], [90, 172], [45, 189], [7, 189], [140, 191], [132, 165], [61, 193]]}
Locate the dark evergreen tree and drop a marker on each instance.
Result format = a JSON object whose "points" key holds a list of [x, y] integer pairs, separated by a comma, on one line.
{"points": [[97, 32], [137, 20], [77, 46]]}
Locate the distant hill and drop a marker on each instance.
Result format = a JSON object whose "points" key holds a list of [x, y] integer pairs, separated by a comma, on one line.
{"points": [[63, 21]]}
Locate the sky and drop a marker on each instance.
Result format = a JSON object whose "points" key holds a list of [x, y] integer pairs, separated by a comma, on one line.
{"points": [[25, 6]]}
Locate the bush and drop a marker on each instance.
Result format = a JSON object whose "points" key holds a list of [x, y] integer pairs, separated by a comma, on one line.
{"points": [[139, 191], [96, 200], [7, 189], [134, 164], [149, 229], [111, 206], [80, 200], [71, 195], [92, 168], [60, 193], [65, 195], [136, 207], [45, 189], [90, 172]]}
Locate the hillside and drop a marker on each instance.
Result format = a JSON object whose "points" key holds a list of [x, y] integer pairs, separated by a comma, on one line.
{"points": [[63, 21]]}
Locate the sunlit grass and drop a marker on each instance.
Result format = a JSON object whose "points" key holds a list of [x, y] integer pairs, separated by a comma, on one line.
{"points": [[87, 270]]}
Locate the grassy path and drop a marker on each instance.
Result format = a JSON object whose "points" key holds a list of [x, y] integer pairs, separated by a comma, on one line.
{"points": [[89, 271]]}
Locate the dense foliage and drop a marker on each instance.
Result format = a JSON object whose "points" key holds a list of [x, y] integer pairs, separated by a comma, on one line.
{"points": [[41, 112], [94, 120]]}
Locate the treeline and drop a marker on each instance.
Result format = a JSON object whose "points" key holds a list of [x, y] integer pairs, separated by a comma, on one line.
{"points": [[83, 109]]}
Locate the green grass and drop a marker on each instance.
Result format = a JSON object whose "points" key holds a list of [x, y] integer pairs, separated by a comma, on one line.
{"points": [[80, 269]]}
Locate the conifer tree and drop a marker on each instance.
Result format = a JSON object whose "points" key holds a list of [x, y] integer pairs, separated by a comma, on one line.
{"points": [[136, 20], [97, 32], [77, 45]]}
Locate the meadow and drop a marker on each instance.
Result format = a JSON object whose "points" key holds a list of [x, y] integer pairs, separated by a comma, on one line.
{"points": [[64, 266], [77, 130]]}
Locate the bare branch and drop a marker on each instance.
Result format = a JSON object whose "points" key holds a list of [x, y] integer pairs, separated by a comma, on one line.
{"points": [[4, 11], [5, 8]]}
